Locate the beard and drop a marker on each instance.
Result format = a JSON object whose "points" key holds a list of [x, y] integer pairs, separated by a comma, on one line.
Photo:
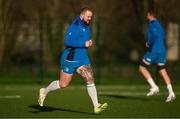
{"points": [[86, 22]]}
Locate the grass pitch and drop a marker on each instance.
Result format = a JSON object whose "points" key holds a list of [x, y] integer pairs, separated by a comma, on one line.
{"points": [[125, 101]]}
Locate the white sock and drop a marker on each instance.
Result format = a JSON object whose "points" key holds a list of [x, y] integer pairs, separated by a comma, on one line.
{"points": [[52, 86], [152, 83], [91, 88], [169, 87]]}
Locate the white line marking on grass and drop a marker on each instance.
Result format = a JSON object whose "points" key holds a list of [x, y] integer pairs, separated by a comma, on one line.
{"points": [[123, 87], [130, 93], [103, 87], [9, 96], [83, 87], [122, 93]]}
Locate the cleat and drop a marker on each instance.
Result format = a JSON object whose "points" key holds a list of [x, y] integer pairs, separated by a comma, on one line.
{"points": [[171, 97], [153, 91], [101, 108], [42, 97]]}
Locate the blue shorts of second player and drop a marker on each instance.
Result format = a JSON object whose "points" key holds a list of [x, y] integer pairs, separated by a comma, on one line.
{"points": [[155, 58], [70, 67]]}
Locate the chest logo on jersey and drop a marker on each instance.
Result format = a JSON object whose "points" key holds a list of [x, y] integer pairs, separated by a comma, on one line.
{"points": [[83, 29]]}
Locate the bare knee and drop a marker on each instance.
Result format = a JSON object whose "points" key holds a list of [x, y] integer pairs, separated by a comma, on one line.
{"points": [[161, 69], [90, 81], [65, 79], [63, 85], [87, 73]]}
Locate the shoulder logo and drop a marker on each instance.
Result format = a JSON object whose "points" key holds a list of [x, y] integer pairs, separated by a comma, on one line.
{"points": [[84, 29]]}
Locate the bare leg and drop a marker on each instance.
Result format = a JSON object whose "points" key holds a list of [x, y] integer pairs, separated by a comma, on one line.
{"points": [[143, 70], [165, 76], [167, 80], [87, 73], [65, 79], [63, 82]]}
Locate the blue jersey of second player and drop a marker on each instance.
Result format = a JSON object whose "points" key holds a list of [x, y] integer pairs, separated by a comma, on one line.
{"points": [[75, 40], [155, 37]]}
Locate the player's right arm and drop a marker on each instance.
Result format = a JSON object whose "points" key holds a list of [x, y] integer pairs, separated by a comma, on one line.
{"points": [[148, 37], [152, 34]]}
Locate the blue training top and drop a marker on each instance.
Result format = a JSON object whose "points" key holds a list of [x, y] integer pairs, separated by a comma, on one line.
{"points": [[155, 37], [75, 40]]}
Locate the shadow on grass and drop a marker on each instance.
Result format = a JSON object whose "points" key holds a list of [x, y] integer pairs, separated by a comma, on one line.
{"points": [[131, 97], [51, 109]]}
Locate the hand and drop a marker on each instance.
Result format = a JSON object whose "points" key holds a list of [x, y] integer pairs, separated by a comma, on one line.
{"points": [[89, 43], [147, 45]]}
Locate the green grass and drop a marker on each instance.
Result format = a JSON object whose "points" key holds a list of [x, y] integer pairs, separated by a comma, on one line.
{"points": [[124, 101]]}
